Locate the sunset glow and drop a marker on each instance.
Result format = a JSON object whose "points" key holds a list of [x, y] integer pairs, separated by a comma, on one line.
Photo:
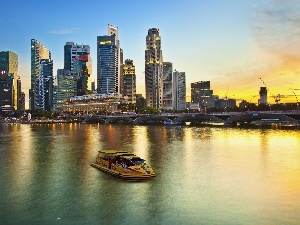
{"points": [[233, 44]]}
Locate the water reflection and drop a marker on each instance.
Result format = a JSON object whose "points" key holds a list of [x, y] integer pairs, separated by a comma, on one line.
{"points": [[231, 176]]}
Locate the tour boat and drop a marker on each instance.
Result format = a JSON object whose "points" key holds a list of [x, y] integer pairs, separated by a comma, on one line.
{"points": [[124, 165]]}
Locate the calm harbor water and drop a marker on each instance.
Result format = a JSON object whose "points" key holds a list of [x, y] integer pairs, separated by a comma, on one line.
{"points": [[205, 175]]}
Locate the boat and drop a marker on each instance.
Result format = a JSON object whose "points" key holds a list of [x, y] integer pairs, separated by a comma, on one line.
{"points": [[171, 122], [124, 165]]}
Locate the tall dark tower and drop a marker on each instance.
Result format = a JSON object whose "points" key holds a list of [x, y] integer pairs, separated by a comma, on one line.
{"points": [[263, 95], [67, 55]]}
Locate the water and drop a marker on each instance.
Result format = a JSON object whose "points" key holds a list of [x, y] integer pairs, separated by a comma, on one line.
{"points": [[205, 175]]}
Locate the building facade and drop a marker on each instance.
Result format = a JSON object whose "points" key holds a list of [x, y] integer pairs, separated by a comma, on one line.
{"points": [[79, 63], [128, 85], [9, 64], [154, 69], [39, 52], [66, 86], [109, 56], [45, 84], [179, 86], [202, 94], [68, 55], [263, 96], [168, 96], [22, 102], [113, 30], [6, 91]]}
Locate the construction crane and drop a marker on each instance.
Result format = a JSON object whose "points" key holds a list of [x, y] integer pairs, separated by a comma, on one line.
{"points": [[226, 95], [296, 100], [253, 96], [277, 97]]}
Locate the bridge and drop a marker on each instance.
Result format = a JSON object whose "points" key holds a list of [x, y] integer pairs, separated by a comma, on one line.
{"points": [[230, 118]]}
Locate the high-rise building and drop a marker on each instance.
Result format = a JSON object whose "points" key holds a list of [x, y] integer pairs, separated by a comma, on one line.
{"points": [[66, 86], [168, 86], [39, 52], [128, 85], [9, 64], [202, 94], [22, 102], [179, 86], [19, 93], [45, 84], [81, 68], [6, 91], [93, 87], [78, 62], [154, 69], [263, 95], [109, 56], [67, 55], [55, 87]]}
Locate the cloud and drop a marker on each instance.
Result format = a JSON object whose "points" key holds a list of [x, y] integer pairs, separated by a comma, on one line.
{"points": [[276, 27], [64, 31], [276, 31]]}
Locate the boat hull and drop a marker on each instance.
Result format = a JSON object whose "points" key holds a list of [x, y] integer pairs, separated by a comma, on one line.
{"points": [[122, 173]]}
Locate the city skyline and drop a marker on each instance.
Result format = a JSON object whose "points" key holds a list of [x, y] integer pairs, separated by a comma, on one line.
{"points": [[232, 44]]}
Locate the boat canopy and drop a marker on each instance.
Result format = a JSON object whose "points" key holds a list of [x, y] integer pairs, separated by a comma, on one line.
{"points": [[137, 159]]}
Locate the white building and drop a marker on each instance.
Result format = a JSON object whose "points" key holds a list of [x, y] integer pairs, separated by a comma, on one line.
{"points": [[168, 86], [179, 87]]}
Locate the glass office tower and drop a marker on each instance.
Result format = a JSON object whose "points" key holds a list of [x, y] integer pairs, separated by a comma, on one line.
{"points": [[109, 61], [38, 52], [9, 64], [45, 83], [106, 64]]}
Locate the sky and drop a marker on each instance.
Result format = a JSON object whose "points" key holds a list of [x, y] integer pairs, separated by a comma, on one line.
{"points": [[239, 46]]}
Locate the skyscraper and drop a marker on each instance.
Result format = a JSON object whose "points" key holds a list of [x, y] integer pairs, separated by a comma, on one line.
{"points": [[39, 52], [81, 68], [179, 90], [168, 86], [66, 86], [78, 62], [9, 64], [128, 85], [6, 91], [113, 30], [67, 55], [45, 83], [154, 69], [109, 56]]}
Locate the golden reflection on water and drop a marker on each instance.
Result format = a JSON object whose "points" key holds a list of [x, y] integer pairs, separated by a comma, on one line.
{"points": [[220, 172], [140, 141], [21, 159]]}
